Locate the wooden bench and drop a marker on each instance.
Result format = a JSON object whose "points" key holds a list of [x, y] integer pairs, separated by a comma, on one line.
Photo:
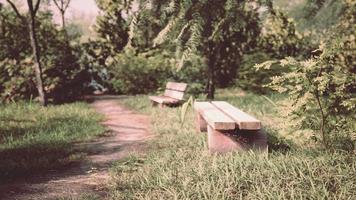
{"points": [[173, 95], [229, 129]]}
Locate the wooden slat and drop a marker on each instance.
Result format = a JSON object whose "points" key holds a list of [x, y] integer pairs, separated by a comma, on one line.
{"points": [[243, 120], [214, 117], [177, 86], [162, 99], [174, 94]]}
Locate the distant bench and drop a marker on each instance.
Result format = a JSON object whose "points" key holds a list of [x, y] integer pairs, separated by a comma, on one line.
{"points": [[229, 129], [173, 95]]}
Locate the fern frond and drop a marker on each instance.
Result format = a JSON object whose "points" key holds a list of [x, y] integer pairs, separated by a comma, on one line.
{"points": [[162, 35], [131, 33]]}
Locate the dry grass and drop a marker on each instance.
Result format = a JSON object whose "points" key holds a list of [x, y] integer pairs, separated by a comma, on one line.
{"points": [[180, 167]]}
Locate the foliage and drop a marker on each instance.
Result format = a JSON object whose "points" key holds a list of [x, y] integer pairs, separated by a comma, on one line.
{"points": [[33, 138], [280, 38], [193, 73], [179, 166], [64, 77], [313, 16], [137, 74], [221, 39], [322, 88], [93, 58], [146, 72], [250, 79], [111, 26]]}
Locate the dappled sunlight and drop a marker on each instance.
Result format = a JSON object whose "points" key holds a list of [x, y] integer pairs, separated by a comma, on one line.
{"points": [[168, 99]]}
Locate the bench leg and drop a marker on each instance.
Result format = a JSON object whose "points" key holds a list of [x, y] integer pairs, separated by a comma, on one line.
{"points": [[153, 103], [222, 142], [200, 123], [160, 105], [240, 140]]}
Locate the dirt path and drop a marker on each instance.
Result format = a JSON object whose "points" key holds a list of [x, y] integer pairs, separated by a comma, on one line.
{"points": [[128, 135]]}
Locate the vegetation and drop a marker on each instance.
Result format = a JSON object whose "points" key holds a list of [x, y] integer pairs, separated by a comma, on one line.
{"points": [[32, 12], [180, 167], [323, 85], [65, 77], [33, 138], [294, 60]]}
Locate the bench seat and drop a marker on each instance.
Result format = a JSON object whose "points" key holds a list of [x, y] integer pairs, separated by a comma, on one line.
{"points": [[163, 100], [229, 128]]}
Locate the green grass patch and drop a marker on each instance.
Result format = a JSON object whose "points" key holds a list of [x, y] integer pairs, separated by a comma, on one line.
{"points": [[179, 165], [33, 138]]}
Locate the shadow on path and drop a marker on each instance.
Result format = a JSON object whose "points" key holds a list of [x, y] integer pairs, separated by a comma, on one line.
{"points": [[128, 133]]}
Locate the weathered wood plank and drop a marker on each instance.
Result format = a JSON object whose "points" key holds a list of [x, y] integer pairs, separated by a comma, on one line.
{"points": [[214, 117], [243, 120], [177, 86], [174, 94], [163, 99]]}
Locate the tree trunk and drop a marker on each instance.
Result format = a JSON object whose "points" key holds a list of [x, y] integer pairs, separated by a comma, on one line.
{"points": [[210, 88], [63, 21], [210, 61], [38, 67]]}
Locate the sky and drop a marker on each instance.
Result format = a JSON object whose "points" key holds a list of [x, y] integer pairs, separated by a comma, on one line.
{"points": [[76, 8]]}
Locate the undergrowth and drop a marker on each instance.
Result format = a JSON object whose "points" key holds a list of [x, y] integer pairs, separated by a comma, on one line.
{"points": [[179, 166]]}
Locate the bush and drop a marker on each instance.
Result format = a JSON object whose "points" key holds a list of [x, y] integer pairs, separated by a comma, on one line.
{"points": [[138, 74], [194, 73], [142, 73], [63, 75], [322, 88], [279, 38], [249, 78]]}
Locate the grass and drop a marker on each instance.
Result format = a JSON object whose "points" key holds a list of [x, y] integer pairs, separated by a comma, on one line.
{"points": [[179, 165], [34, 138]]}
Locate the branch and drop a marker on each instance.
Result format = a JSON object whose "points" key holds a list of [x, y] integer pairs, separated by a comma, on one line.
{"points": [[56, 3], [37, 6], [66, 6], [322, 113], [15, 9]]}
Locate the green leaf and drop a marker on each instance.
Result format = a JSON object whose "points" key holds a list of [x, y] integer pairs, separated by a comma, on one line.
{"points": [[185, 107]]}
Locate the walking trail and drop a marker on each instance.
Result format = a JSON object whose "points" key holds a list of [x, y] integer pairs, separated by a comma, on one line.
{"points": [[129, 131]]}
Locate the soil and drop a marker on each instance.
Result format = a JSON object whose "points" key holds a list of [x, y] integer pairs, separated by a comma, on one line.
{"points": [[128, 134]]}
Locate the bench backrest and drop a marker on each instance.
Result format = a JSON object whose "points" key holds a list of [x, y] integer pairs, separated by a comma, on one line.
{"points": [[175, 90], [223, 116]]}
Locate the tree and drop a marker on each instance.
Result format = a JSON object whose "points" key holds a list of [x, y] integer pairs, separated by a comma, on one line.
{"points": [[221, 38], [111, 26], [62, 6], [32, 11]]}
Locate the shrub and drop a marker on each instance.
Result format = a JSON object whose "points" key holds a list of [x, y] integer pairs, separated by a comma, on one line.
{"points": [[194, 73], [249, 78], [136, 74], [63, 76], [142, 73], [279, 38], [322, 89]]}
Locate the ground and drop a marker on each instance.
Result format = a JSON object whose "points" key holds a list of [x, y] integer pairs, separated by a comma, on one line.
{"points": [[128, 133]]}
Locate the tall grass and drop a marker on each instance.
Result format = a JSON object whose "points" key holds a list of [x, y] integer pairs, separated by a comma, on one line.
{"points": [[33, 138], [179, 165]]}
